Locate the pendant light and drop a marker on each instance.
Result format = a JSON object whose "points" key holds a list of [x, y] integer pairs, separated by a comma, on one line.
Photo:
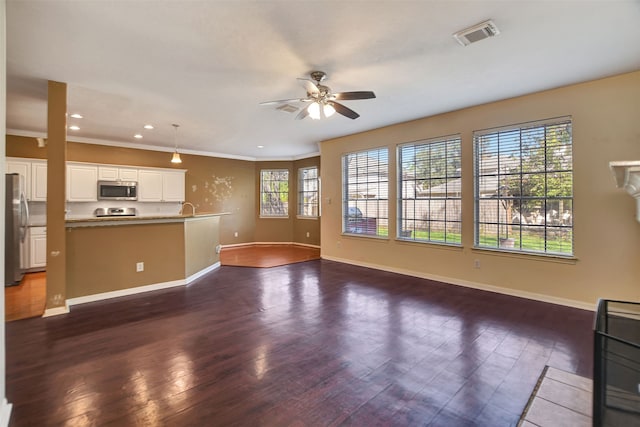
{"points": [[176, 156]]}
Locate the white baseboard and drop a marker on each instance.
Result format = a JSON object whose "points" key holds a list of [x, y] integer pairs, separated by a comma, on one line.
{"points": [[237, 245], [124, 292], [5, 413], [56, 311], [481, 286], [202, 272]]}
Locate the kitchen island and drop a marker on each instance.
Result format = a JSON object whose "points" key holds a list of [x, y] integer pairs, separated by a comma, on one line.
{"points": [[114, 256]]}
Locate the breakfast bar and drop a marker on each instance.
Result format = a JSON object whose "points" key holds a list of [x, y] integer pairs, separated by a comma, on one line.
{"points": [[138, 254]]}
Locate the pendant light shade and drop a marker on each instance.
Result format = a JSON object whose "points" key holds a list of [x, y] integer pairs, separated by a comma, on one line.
{"points": [[176, 156]]}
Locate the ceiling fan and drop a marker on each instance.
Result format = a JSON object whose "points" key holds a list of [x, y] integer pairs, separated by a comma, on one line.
{"points": [[322, 102]]}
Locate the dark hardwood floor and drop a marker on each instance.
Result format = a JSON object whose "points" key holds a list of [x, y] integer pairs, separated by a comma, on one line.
{"points": [[309, 344]]}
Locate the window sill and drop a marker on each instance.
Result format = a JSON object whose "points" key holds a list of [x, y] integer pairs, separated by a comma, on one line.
{"points": [[438, 245], [527, 255], [273, 217], [367, 236], [315, 218]]}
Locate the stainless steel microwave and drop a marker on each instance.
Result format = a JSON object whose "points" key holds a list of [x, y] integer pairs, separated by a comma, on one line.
{"points": [[117, 190]]}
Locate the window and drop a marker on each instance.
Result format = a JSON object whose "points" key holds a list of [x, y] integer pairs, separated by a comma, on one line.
{"points": [[524, 188], [274, 193], [365, 193], [429, 206], [308, 192]]}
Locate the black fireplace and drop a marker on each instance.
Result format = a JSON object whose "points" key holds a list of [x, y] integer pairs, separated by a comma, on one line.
{"points": [[616, 364]]}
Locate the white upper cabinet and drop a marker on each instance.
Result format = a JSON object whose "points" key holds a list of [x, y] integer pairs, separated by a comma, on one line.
{"points": [[39, 181], [149, 186], [173, 186], [82, 182], [34, 173], [160, 186], [113, 173], [23, 168], [154, 184]]}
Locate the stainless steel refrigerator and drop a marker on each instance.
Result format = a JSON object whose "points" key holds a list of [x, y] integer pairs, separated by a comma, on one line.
{"points": [[16, 222]]}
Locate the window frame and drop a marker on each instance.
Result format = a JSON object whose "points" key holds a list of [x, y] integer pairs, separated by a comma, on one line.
{"points": [[352, 223], [453, 138], [261, 192], [301, 205], [523, 128]]}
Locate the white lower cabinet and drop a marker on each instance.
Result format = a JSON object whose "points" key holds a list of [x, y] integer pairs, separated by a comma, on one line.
{"points": [[37, 247]]}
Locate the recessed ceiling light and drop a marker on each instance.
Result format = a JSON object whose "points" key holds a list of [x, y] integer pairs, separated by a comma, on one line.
{"points": [[74, 127], [260, 146], [76, 116], [148, 126], [137, 136]]}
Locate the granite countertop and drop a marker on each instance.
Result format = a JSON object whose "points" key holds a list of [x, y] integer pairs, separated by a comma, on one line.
{"points": [[113, 220]]}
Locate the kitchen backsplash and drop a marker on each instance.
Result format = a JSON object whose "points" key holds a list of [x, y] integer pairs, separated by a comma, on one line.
{"points": [[77, 210]]}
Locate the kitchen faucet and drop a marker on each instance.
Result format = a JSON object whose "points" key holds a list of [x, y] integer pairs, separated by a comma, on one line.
{"points": [[193, 208]]}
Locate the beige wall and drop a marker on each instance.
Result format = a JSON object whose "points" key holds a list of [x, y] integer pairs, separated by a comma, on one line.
{"points": [[201, 236], [606, 127], [302, 226], [291, 229], [111, 265], [275, 229]]}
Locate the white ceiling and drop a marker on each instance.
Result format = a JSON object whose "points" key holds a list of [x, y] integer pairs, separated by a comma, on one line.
{"points": [[206, 65]]}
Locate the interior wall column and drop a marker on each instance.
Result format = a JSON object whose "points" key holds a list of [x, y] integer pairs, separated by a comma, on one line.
{"points": [[56, 184]]}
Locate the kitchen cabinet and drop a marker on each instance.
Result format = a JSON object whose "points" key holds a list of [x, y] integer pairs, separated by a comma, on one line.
{"points": [[112, 173], [37, 247], [160, 186], [34, 174], [23, 168], [172, 186], [149, 186], [82, 182], [39, 181]]}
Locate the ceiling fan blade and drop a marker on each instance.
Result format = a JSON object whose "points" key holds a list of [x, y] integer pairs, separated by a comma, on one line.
{"points": [[345, 111], [347, 96], [303, 113], [283, 101], [310, 86]]}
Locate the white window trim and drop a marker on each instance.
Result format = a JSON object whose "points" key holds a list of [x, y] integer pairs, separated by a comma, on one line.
{"points": [[508, 251], [298, 214], [287, 216], [399, 191]]}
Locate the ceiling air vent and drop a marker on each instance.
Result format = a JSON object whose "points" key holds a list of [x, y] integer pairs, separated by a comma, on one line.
{"points": [[476, 33], [288, 108]]}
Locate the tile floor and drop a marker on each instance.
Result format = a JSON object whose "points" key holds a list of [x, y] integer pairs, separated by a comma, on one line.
{"points": [[561, 399]]}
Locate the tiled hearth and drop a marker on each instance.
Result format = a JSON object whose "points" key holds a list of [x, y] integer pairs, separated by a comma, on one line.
{"points": [[560, 399]]}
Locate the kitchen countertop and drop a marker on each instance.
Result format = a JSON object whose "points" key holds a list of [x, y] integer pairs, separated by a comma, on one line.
{"points": [[128, 220]]}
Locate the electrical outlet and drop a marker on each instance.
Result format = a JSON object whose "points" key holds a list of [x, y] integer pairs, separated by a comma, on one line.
{"points": [[308, 234], [476, 263], [139, 267], [235, 234]]}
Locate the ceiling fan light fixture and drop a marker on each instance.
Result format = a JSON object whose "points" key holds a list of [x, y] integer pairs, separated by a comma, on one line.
{"points": [[314, 110], [176, 156], [328, 110]]}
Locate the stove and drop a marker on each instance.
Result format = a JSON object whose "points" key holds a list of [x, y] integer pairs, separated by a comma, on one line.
{"points": [[115, 212]]}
